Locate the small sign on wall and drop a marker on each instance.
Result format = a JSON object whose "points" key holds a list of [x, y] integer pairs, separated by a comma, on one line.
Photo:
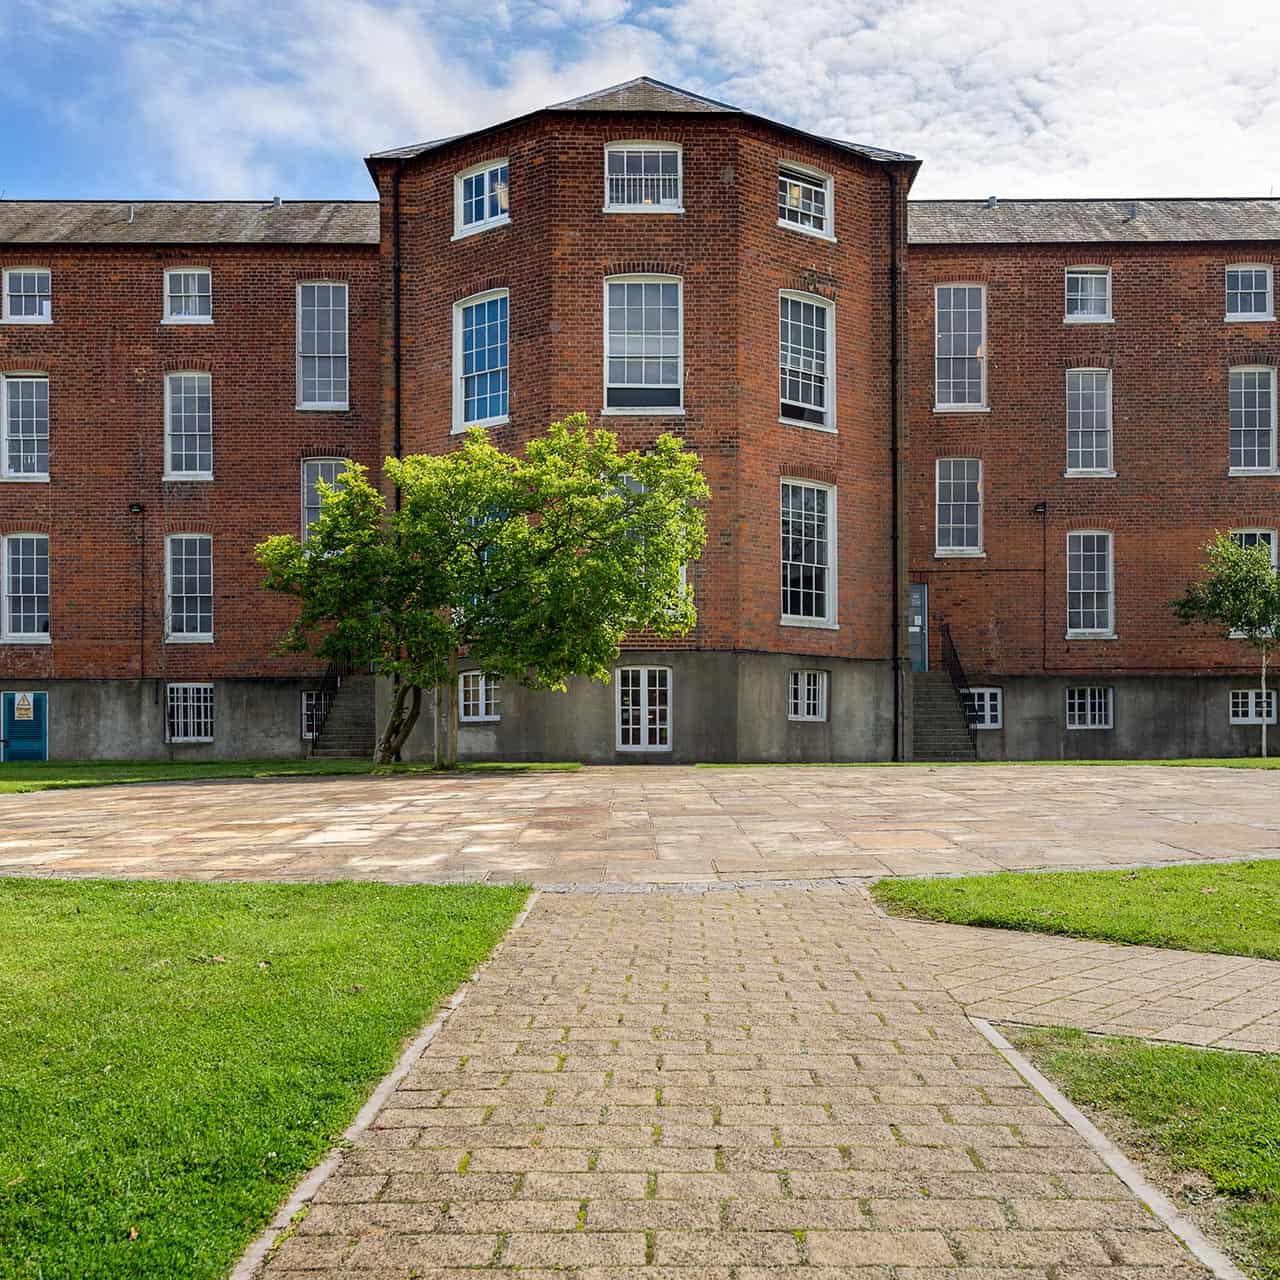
{"points": [[23, 707]]}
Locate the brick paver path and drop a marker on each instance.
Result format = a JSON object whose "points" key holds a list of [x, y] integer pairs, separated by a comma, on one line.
{"points": [[732, 1084], [648, 824], [1231, 1002]]}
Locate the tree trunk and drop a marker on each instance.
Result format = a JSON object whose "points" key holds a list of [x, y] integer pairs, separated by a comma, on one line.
{"points": [[1264, 704], [437, 758], [400, 722], [452, 696]]}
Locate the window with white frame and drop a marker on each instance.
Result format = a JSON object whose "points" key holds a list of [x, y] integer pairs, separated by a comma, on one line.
{"points": [[642, 177], [28, 296], [1088, 292], [479, 697], [481, 350], [960, 365], [188, 295], [189, 713], [189, 574], [25, 572], [315, 707], [24, 426], [1247, 705], [480, 198], [1252, 412], [806, 332], [315, 470], [1089, 584], [644, 708], [958, 524], [188, 403], [984, 708], [322, 345], [1088, 421], [1257, 537], [1089, 707], [643, 344], [808, 553], [1250, 293], [807, 695], [804, 201]]}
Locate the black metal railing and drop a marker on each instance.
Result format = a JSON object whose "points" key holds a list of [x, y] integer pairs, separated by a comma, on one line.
{"points": [[327, 692], [960, 683]]}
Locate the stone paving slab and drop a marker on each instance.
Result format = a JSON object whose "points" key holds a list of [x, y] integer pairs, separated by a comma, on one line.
{"points": [[648, 824], [739, 1085], [1002, 975]]}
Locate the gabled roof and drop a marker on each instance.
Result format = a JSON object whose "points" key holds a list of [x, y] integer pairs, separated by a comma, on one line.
{"points": [[189, 222], [645, 95], [1091, 221]]}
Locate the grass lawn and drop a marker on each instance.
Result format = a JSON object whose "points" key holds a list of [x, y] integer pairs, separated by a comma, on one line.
{"points": [[53, 775], [173, 1057], [1232, 908], [1224, 762], [1206, 1125]]}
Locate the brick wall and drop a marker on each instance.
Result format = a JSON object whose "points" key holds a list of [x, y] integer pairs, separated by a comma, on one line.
{"points": [[106, 355], [1169, 351]]}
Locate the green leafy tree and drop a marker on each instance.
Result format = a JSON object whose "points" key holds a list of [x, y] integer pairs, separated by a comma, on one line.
{"points": [[1240, 593], [533, 566]]}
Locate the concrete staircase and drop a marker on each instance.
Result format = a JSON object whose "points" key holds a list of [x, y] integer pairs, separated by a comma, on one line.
{"points": [[349, 729], [939, 731]]}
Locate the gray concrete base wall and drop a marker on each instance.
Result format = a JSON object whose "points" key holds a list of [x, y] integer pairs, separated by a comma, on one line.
{"points": [[725, 707], [125, 720], [1153, 717]]}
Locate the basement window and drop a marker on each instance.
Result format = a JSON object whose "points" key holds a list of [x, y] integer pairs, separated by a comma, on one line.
{"points": [[985, 708], [1089, 708], [189, 713], [315, 707], [479, 697], [1246, 706], [807, 696]]}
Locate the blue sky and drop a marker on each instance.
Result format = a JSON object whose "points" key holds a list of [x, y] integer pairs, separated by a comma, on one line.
{"points": [[252, 98]]}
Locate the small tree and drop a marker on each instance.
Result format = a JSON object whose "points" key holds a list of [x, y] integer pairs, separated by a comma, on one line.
{"points": [[534, 566], [1241, 593]]}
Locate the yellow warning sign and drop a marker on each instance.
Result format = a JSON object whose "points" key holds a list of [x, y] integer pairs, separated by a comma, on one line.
{"points": [[22, 708]]}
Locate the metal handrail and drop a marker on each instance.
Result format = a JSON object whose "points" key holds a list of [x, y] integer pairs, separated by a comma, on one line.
{"points": [[960, 683], [330, 683]]}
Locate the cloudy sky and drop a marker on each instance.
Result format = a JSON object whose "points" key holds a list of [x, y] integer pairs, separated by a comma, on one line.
{"points": [[200, 98]]}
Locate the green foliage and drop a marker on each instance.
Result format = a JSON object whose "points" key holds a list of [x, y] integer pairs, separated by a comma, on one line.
{"points": [[1232, 908], [1240, 592], [173, 1057], [536, 566]]}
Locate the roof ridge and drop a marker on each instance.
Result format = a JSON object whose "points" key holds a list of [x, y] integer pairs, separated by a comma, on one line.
{"points": [[645, 80]]}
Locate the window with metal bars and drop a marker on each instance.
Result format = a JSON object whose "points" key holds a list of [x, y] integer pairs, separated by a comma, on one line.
{"points": [[643, 177], [189, 713], [315, 706]]}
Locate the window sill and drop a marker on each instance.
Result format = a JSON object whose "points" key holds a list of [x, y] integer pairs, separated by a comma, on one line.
{"points": [[962, 408], [820, 624], [1088, 728], [322, 408], [648, 210], [806, 231], [952, 553], [1088, 320], [1087, 474], [806, 719], [1247, 724], [33, 320], [1253, 471], [987, 728], [646, 751], [829, 429], [1092, 635], [187, 742], [465, 720], [642, 411], [33, 478], [188, 639], [1252, 319], [26, 640], [476, 228], [460, 428], [182, 477], [200, 322]]}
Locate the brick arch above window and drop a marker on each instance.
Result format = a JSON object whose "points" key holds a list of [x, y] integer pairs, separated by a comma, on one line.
{"points": [[820, 283], [1239, 354], [1089, 360], [644, 267], [793, 470], [479, 284]]}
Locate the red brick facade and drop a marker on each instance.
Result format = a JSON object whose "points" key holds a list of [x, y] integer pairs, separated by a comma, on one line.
{"points": [[1169, 351]]}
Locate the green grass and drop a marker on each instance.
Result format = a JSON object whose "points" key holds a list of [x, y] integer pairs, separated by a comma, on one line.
{"points": [[1232, 908], [1210, 1120], [173, 1057], [54, 775], [1223, 762]]}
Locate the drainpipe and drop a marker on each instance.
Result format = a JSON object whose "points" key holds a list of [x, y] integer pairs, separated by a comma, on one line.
{"points": [[395, 313], [895, 466], [137, 509]]}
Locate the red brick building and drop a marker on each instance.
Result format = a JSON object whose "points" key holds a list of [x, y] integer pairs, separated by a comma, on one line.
{"points": [[662, 262]]}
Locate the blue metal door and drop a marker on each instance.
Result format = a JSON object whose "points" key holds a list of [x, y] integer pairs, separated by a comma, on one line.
{"points": [[24, 726], [918, 626]]}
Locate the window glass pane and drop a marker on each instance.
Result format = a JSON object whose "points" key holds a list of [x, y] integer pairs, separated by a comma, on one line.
{"points": [[959, 504], [190, 424], [315, 470], [189, 710], [644, 708], [26, 426], [642, 343], [802, 200], [27, 295], [190, 294], [1088, 420], [1089, 294], [26, 605], [806, 555], [802, 359], [322, 344], [960, 345], [484, 357], [190, 585], [642, 177], [1248, 291], [1089, 582], [1089, 708], [1251, 410]]}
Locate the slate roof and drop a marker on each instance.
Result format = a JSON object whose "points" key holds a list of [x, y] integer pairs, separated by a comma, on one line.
{"points": [[189, 222], [644, 94], [1091, 221]]}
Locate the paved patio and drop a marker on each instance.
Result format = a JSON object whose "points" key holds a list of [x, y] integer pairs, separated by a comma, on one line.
{"points": [[658, 825], [728, 1086]]}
